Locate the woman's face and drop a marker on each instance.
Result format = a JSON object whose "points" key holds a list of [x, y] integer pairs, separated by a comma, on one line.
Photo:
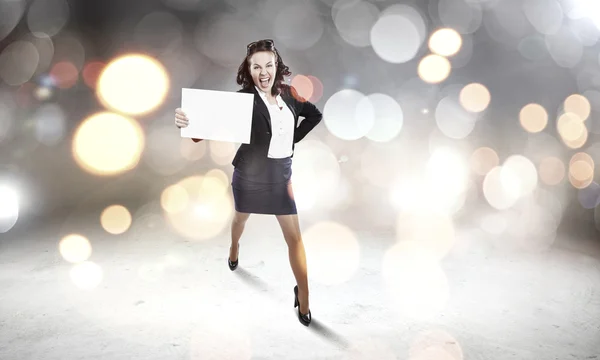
{"points": [[263, 68]]}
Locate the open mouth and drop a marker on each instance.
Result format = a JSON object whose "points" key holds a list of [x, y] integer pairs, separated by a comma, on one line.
{"points": [[265, 81]]}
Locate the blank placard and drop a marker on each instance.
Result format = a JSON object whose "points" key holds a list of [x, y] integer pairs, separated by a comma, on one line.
{"points": [[217, 115]]}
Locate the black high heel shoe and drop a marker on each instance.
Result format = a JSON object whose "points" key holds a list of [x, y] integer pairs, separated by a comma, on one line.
{"points": [[233, 264], [305, 319]]}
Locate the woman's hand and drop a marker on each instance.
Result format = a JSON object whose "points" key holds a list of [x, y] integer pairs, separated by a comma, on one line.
{"points": [[181, 119]]}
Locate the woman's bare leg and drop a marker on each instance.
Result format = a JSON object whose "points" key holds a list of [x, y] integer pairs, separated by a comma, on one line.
{"points": [[291, 232], [237, 228]]}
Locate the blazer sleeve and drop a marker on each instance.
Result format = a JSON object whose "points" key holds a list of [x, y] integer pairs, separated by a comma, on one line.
{"points": [[312, 117]]}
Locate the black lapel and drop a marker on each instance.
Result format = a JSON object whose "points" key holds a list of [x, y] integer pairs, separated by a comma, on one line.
{"points": [[260, 106], [290, 104]]}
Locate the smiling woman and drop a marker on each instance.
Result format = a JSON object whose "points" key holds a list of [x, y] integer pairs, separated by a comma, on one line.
{"points": [[262, 55], [261, 180]]}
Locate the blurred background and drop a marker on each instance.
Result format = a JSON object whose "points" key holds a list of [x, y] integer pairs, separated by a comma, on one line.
{"points": [[484, 111], [455, 164]]}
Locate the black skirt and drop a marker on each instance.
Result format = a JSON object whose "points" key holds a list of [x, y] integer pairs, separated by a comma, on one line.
{"points": [[264, 187]]}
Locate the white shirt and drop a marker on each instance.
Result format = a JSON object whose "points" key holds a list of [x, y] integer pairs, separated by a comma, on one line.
{"points": [[282, 127]]}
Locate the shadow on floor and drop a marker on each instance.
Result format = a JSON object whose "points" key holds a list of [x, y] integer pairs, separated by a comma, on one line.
{"points": [[315, 326], [326, 333], [251, 279]]}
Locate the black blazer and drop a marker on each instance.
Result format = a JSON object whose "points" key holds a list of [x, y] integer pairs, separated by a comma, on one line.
{"points": [[260, 138]]}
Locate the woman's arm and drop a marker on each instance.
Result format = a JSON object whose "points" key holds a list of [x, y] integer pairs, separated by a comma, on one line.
{"points": [[312, 117]]}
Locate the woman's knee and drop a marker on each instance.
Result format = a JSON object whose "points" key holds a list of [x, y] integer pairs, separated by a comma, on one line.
{"points": [[292, 238], [240, 218]]}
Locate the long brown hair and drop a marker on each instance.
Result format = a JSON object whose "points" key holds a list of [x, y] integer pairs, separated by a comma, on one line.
{"points": [[245, 79]]}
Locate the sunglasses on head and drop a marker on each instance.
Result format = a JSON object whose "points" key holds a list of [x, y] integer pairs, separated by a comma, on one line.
{"points": [[252, 45]]}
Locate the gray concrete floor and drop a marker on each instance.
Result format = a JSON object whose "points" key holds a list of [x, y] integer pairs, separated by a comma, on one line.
{"points": [[165, 297]]}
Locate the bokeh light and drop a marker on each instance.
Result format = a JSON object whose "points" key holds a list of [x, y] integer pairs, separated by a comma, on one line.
{"points": [[11, 14], [108, 144], [316, 176], [317, 92], [303, 86], [551, 170], [385, 34], [565, 48], [571, 128], [50, 124], [475, 97], [221, 152], [445, 42], [75, 248], [447, 179], [91, 73], [205, 209], [164, 23], [64, 74], [354, 21], [546, 16], [70, 47], [411, 13], [44, 45], [580, 141], [24, 95], [86, 275], [43, 93], [298, 25], [577, 174], [578, 105], [47, 16], [483, 160], [379, 173], [589, 197], [581, 170], [582, 156], [326, 241], [501, 187], [453, 120], [432, 230], [9, 208], [192, 151], [133, 84], [7, 116], [533, 48], [552, 201], [434, 69], [223, 30], [461, 15], [389, 118], [115, 219], [526, 171], [533, 118], [166, 152], [349, 114], [18, 62], [174, 198]]}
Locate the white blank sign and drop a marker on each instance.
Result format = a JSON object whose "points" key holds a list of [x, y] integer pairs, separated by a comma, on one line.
{"points": [[217, 115]]}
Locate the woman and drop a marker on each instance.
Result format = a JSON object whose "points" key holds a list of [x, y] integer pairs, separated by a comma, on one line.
{"points": [[261, 181]]}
